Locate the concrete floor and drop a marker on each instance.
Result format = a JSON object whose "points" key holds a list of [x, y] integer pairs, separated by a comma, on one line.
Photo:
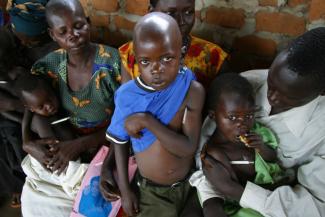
{"points": [[7, 211]]}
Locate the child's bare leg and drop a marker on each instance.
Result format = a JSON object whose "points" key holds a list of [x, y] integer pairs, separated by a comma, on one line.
{"points": [[213, 207], [192, 207]]}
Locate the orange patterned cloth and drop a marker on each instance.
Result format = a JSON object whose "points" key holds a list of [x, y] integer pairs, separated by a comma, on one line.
{"points": [[203, 58]]}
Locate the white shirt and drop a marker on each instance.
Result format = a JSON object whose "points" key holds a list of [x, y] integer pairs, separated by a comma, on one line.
{"points": [[301, 135]]}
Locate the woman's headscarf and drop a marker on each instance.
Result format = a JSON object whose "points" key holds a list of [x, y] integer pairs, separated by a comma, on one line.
{"points": [[28, 17]]}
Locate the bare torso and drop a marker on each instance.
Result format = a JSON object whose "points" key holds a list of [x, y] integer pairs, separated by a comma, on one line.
{"points": [[234, 152], [161, 166]]}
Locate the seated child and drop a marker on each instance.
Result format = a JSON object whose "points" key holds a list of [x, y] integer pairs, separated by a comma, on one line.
{"points": [[246, 149], [40, 99], [160, 114]]}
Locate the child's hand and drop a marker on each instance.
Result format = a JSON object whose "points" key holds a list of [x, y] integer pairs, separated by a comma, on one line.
{"points": [[130, 203], [134, 124], [63, 152], [39, 150], [108, 186], [254, 140]]}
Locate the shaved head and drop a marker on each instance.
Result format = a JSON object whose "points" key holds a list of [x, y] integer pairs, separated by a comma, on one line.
{"points": [[157, 26]]}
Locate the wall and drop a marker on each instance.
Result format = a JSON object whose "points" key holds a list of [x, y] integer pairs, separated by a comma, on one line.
{"points": [[253, 31]]}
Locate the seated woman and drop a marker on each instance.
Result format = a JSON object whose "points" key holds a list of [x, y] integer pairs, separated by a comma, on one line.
{"points": [[85, 76], [204, 58]]}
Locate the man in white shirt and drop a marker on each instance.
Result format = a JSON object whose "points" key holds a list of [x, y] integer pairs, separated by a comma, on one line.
{"points": [[291, 97]]}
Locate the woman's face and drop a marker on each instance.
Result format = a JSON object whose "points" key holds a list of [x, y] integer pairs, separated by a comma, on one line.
{"points": [[183, 11]]}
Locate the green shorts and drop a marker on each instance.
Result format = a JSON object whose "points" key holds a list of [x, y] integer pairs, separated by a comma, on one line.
{"points": [[160, 200]]}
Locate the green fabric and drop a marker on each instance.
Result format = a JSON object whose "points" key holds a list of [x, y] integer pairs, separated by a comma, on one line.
{"points": [[162, 201], [266, 173], [93, 105]]}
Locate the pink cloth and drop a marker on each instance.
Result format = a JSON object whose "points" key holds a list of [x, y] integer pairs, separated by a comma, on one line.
{"points": [[94, 170]]}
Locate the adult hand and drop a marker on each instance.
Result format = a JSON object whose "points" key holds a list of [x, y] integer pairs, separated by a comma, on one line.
{"points": [[108, 186], [63, 152], [39, 149], [134, 124], [130, 203], [221, 179]]}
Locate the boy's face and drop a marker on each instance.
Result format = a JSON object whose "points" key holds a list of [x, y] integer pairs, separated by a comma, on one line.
{"points": [[41, 102], [70, 30], [234, 116], [286, 89], [158, 60], [183, 11]]}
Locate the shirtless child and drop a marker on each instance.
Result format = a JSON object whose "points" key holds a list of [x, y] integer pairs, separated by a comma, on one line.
{"points": [[160, 114], [40, 99], [244, 147]]}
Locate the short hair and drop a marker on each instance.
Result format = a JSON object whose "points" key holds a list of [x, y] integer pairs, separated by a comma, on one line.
{"points": [[55, 6], [229, 83], [28, 83], [306, 56]]}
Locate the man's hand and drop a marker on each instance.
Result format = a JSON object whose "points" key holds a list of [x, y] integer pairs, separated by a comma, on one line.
{"points": [[63, 152], [108, 186], [134, 124], [39, 149]]}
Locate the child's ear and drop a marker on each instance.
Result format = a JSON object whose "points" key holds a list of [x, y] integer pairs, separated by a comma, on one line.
{"points": [[50, 31], [211, 114]]}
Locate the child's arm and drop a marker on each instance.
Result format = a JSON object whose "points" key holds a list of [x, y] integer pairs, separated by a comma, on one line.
{"points": [[107, 185], [255, 141], [180, 144], [213, 207], [128, 198]]}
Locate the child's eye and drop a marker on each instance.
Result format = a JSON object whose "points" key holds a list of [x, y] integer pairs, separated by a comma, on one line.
{"points": [[189, 12], [167, 59], [249, 117], [144, 62], [232, 117]]}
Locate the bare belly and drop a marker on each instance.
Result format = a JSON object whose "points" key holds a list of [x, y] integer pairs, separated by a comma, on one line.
{"points": [[162, 167]]}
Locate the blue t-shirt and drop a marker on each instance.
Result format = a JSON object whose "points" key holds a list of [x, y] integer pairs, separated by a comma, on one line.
{"points": [[135, 97]]}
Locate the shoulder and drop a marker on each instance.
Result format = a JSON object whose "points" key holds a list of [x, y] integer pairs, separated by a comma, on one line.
{"points": [[207, 44], [216, 153], [108, 52], [50, 61], [126, 48], [195, 96]]}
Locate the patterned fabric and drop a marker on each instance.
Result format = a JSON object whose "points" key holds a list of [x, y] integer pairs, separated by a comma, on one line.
{"points": [[203, 58], [28, 17], [93, 105], [134, 97]]}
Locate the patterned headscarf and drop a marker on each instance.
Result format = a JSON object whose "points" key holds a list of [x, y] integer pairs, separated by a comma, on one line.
{"points": [[28, 17]]}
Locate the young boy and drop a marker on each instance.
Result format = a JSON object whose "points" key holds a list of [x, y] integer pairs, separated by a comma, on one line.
{"points": [[244, 147], [38, 97], [160, 114]]}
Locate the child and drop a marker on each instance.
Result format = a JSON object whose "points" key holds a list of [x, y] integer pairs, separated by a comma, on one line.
{"points": [[38, 97], [160, 114], [242, 145]]}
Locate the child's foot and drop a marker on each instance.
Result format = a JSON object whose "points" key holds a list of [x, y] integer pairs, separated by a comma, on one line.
{"points": [[15, 200]]}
